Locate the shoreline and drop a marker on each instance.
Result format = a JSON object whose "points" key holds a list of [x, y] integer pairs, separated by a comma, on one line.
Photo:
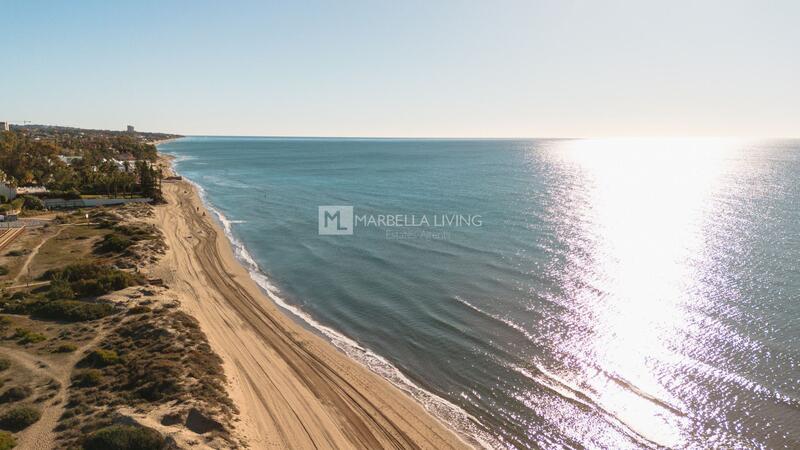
{"points": [[293, 388]]}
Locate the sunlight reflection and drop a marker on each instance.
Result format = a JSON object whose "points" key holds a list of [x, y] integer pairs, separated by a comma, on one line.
{"points": [[648, 200]]}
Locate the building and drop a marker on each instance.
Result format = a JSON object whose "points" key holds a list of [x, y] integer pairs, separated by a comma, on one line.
{"points": [[32, 190], [8, 192], [130, 129], [4, 126], [70, 159]]}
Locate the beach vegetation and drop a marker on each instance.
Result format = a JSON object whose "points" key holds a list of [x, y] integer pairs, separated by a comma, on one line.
{"points": [[72, 310], [87, 377], [114, 243], [124, 437], [7, 440], [101, 358], [65, 348], [32, 203], [91, 279], [19, 417], [25, 336], [15, 394]]}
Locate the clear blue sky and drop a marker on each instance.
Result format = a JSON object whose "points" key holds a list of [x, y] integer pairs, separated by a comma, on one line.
{"points": [[406, 68]]}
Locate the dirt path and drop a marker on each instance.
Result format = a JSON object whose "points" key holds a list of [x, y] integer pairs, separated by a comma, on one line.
{"points": [[33, 253], [294, 390], [40, 435]]}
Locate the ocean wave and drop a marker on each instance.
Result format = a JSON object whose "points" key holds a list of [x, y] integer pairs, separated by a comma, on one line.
{"points": [[459, 420], [180, 157], [511, 324]]}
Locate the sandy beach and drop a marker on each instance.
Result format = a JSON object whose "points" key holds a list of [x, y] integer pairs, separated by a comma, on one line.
{"points": [[292, 388]]}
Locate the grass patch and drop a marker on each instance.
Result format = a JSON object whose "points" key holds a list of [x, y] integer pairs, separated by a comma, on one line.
{"points": [[4, 364]]}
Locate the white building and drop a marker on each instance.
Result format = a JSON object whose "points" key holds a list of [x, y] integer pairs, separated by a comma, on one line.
{"points": [[70, 159], [8, 192], [4, 126], [31, 190]]}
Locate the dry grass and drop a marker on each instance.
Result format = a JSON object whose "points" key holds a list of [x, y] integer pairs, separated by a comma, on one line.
{"points": [[75, 243]]}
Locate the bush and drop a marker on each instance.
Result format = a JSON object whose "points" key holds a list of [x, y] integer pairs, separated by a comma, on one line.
{"points": [[21, 306], [140, 309], [4, 364], [115, 243], [26, 336], [60, 289], [33, 203], [89, 279], [19, 418], [65, 348], [7, 440], [3, 270], [87, 378], [124, 437], [102, 358], [72, 310], [15, 394]]}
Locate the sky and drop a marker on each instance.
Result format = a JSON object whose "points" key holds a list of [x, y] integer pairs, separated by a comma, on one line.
{"points": [[558, 68]]}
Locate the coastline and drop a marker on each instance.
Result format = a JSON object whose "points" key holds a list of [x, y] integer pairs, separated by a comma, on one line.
{"points": [[293, 389]]}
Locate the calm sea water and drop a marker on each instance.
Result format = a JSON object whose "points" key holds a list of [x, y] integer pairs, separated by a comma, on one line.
{"points": [[612, 294]]}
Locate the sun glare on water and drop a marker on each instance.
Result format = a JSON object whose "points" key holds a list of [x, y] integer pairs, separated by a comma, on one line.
{"points": [[647, 205]]}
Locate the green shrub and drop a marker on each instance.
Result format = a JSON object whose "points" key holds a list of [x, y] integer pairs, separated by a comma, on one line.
{"points": [[7, 440], [3, 270], [15, 394], [16, 253], [19, 418], [4, 364], [87, 377], [72, 310], [89, 279], [25, 336], [65, 348], [102, 358], [31, 202], [113, 242], [124, 437], [140, 309], [60, 289]]}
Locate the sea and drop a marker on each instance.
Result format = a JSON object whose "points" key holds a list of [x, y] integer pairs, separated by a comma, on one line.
{"points": [[537, 293]]}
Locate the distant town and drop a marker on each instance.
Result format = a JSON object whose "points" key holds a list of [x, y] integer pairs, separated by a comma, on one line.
{"points": [[46, 167]]}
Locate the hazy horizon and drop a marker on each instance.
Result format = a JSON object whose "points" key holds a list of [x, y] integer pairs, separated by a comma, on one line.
{"points": [[542, 69]]}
